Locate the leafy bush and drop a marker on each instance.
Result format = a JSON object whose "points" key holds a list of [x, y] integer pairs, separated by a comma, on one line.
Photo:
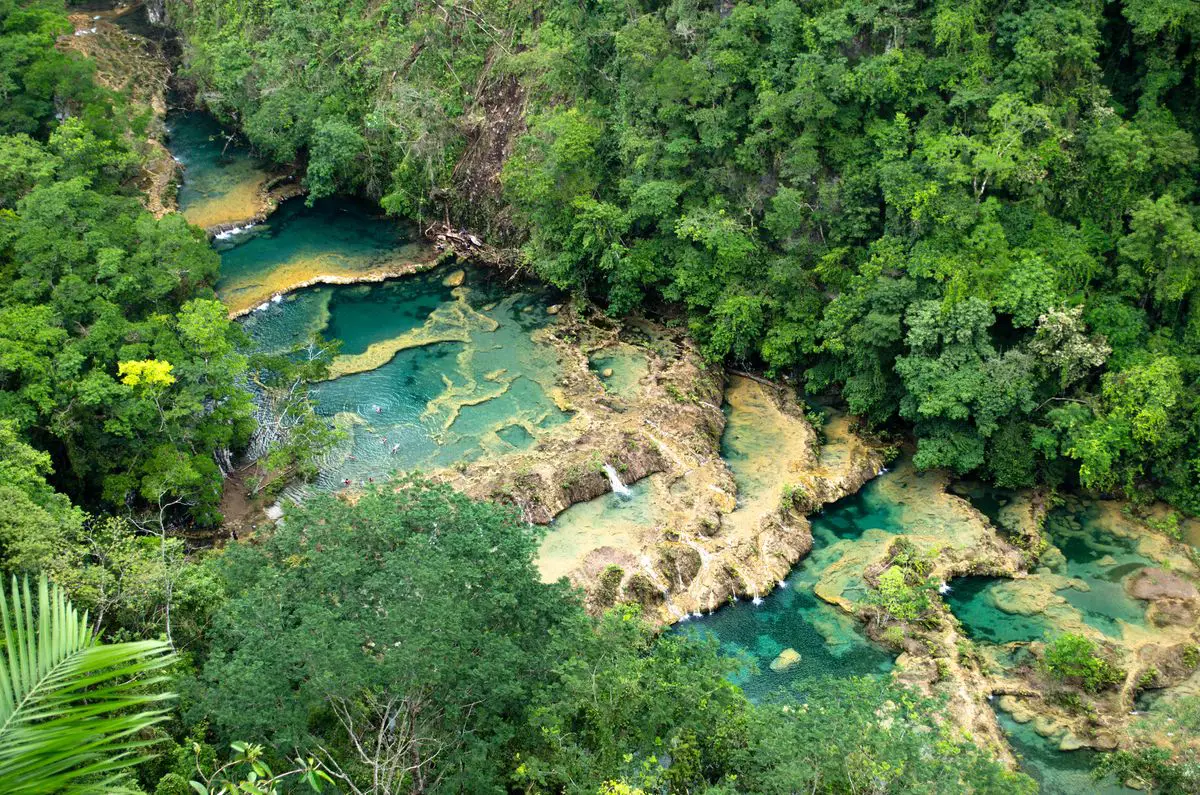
{"points": [[1074, 659]]}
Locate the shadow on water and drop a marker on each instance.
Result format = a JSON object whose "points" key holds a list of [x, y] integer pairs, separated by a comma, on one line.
{"points": [[221, 179]]}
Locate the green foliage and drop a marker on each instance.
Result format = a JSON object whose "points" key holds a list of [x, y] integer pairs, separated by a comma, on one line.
{"points": [[1160, 755], [901, 600], [1075, 659], [415, 607], [71, 709], [977, 223], [247, 773], [905, 590], [114, 356], [866, 735], [660, 696]]}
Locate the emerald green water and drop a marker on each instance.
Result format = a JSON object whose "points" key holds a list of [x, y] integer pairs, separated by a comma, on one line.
{"points": [[978, 603], [828, 640], [221, 179], [436, 374], [434, 403], [429, 373], [335, 237], [1056, 772], [1088, 565]]}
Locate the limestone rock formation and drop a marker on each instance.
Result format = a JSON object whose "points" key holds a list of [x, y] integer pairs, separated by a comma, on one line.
{"points": [[786, 659]]}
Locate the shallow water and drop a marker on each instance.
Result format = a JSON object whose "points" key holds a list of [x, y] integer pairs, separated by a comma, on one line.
{"points": [[763, 447], [1057, 773], [435, 374], [978, 603], [1086, 568], [221, 180], [611, 520], [472, 380], [620, 367], [828, 640], [335, 238], [1080, 582]]}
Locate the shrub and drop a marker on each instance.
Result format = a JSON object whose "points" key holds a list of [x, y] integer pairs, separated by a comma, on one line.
{"points": [[610, 582], [900, 599], [1073, 659]]}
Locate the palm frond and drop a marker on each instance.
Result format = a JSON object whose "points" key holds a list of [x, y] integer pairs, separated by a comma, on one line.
{"points": [[72, 709]]}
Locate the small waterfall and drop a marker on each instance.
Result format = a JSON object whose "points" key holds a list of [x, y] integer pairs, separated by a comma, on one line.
{"points": [[614, 480]]}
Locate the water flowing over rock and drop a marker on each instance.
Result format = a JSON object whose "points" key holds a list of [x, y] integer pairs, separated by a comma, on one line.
{"points": [[614, 480]]}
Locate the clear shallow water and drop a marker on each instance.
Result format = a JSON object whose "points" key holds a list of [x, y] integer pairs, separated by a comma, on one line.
{"points": [[620, 367], [976, 602], [1056, 772], [828, 640], [338, 238], [430, 373], [611, 520], [221, 180], [1087, 570], [490, 388], [465, 376]]}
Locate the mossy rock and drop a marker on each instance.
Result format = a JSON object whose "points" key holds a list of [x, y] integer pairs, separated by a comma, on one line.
{"points": [[608, 585], [642, 590]]}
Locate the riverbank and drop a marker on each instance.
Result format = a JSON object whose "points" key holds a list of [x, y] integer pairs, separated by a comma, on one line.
{"points": [[634, 406]]}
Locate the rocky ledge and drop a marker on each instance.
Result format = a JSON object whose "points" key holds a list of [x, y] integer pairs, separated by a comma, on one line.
{"points": [[705, 543]]}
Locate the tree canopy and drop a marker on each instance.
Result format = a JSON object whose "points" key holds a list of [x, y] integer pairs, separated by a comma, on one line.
{"points": [[976, 222]]}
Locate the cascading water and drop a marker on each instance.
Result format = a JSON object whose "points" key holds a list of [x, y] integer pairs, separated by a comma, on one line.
{"points": [[614, 480]]}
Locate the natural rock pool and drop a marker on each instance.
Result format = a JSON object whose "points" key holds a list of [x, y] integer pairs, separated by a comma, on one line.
{"points": [[453, 369], [335, 241], [829, 642], [222, 181], [1081, 579]]}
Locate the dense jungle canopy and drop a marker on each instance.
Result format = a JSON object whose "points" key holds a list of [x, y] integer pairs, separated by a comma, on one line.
{"points": [[972, 224], [974, 220]]}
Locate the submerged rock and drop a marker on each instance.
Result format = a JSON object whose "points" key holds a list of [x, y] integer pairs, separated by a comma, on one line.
{"points": [[455, 279], [1070, 742], [786, 659]]}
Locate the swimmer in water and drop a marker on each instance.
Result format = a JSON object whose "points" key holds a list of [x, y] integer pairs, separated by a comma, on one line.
{"points": [[346, 482]]}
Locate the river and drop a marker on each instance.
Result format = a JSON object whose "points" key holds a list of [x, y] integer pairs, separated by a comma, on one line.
{"points": [[445, 366]]}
